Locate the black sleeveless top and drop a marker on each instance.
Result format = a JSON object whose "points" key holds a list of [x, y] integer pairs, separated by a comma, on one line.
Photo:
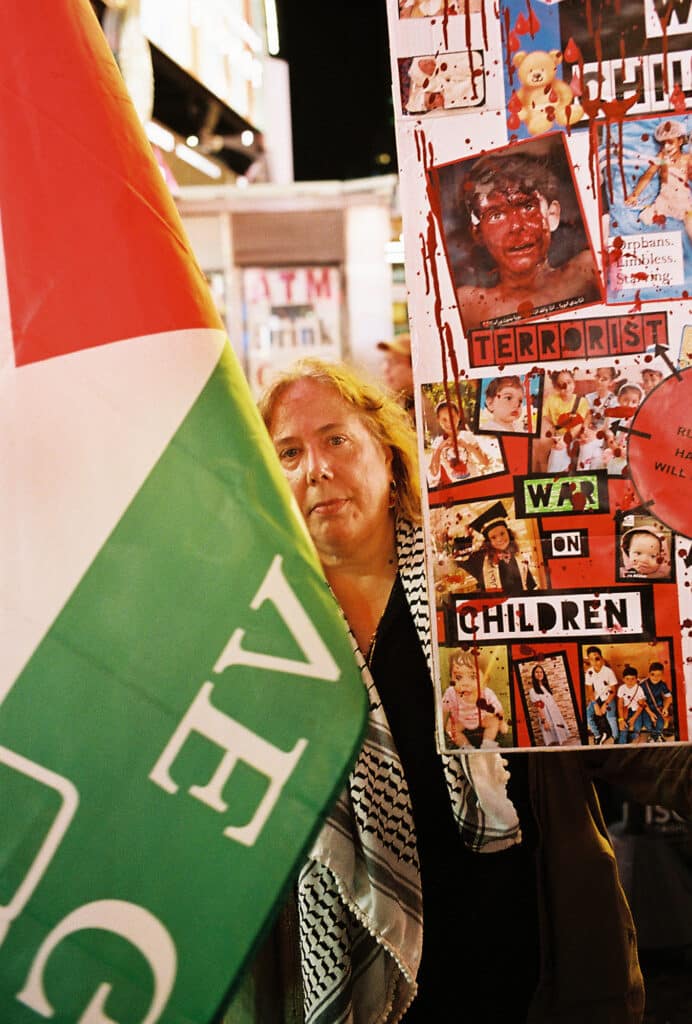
{"points": [[480, 930]]}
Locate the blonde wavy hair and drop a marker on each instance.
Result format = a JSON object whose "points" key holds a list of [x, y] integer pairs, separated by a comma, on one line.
{"points": [[383, 416]]}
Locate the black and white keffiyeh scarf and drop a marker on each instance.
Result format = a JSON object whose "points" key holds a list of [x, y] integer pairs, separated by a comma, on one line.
{"points": [[359, 894]]}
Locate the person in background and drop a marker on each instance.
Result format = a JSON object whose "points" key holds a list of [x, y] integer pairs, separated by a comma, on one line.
{"points": [[375, 914], [397, 376], [397, 369]]}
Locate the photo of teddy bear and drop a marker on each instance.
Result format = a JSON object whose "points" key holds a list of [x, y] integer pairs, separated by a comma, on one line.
{"points": [[543, 100]]}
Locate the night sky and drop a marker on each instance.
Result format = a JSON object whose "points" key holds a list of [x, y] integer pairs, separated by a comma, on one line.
{"points": [[338, 57]]}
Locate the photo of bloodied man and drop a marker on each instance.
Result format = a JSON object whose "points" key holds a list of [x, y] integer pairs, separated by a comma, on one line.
{"points": [[454, 453], [644, 549], [475, 697], [515, 235], [480, 547]]}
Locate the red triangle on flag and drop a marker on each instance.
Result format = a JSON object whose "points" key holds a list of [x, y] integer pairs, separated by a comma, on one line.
{"points": [[83, 202]]}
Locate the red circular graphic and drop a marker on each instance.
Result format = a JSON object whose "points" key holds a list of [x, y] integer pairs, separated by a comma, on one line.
{"points": [[660, 451]]}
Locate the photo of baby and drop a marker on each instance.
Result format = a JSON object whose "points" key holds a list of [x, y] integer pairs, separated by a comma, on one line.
{"points": [[546, 689], [455, 453], [510, 404], [644, 549], [476, 699]]}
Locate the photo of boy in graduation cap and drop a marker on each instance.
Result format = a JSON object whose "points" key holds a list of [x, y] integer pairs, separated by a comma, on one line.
{"points": [[494, 556]]}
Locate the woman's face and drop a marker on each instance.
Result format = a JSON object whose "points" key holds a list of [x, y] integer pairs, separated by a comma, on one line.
{"points": [[339, 473], [538, 674]]}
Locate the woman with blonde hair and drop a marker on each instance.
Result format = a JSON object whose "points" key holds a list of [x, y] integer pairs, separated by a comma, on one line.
{"points": [[398, 864]]}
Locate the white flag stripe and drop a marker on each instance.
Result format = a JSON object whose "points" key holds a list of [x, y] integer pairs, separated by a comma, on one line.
{"points": [[6, 345], [66, 478]]}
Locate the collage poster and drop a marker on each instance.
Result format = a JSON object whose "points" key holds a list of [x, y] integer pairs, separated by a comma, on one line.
{"points": [[545, 160]]}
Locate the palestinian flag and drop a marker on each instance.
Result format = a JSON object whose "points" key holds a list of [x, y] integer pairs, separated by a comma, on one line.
{"points": [[178, 698]]}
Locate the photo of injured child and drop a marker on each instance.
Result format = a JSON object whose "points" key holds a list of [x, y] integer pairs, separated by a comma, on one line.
{"points": [[475, 698], [515, 236], [644, 549], [586, 417], [455, 454], [646, 199]]}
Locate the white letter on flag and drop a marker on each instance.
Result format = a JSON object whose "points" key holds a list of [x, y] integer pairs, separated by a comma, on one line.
{"points": [[133, 923], [275, 588], [240, 744]]}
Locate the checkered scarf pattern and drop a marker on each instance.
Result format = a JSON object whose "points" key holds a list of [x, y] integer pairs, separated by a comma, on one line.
{"points": [[359, 895]]}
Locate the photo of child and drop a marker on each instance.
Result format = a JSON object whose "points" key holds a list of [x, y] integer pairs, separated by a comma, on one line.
{"points": [[514, 234], [633, 685], [472, 712], [644, 549], [670, 172], [565, 416], [619, 418], [434, 8], [509, 404], [631, 703], [481, 547], [659, 701], [586, 415], [649, 196], [548, 701], [455, 454]]}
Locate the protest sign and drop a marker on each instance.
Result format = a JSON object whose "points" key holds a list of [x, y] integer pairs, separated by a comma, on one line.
{"points": [[547, 221]]}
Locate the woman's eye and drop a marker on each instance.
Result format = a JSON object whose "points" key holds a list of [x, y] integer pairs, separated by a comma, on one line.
{"points": [[288, 454], [336, 440]]}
